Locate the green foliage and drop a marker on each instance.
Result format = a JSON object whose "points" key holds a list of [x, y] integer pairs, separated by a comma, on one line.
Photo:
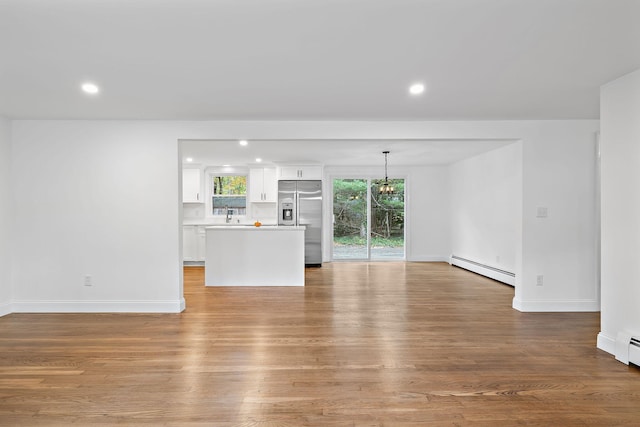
{"points": [[387, 211], [350, 209], [230, 185], [376, 242]]}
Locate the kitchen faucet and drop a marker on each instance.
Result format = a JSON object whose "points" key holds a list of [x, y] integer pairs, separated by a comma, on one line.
{"points": [[229, 212]]}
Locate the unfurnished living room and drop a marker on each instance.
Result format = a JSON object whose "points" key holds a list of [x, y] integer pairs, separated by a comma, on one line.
{"points": [[319, 213]]}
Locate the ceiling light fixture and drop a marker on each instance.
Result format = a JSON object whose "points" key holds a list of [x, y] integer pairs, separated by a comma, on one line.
{"points": [[189, 159], [258, 159], [243, 142], [386, 188], [416, 89], [90, 88]]}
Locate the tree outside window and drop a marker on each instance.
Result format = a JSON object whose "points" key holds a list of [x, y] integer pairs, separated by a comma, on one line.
{"points": [[229, 193]]}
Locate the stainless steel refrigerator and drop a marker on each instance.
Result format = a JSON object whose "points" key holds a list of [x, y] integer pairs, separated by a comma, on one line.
{"points": [[300, 203]]}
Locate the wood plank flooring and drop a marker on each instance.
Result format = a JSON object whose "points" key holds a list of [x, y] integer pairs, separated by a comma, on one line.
{"points": [[379, 344]]}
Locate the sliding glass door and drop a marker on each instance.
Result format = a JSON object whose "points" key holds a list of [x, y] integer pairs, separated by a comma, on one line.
{"points": [[387, 222], [350, 219], [367, 225]]}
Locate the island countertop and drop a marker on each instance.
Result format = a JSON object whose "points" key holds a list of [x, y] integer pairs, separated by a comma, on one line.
{"points": [[253, 227]]}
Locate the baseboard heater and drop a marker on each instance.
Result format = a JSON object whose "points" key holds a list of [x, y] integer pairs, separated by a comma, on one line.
{"points": [[628, 348], [485, 270]]}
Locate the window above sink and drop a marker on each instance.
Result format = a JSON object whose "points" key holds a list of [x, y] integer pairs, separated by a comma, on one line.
{"points": [[228, 194]]}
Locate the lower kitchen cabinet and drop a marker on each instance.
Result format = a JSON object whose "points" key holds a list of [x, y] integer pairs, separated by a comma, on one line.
{"points": [[193, 242], [201, 236]]}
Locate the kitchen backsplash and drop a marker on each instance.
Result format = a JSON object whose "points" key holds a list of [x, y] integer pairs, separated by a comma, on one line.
{"points": [[264, 212], [190, 211]]}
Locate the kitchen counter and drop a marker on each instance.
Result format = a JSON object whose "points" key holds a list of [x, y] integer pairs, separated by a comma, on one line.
{"points": [[253, 227], [245, 255], [209, 223]]}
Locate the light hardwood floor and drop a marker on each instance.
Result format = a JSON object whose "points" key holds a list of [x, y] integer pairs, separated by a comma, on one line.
{"points": [[379, 344]]}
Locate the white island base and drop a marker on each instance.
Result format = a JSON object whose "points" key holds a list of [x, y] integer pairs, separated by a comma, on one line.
{"points": [[254, 256]]}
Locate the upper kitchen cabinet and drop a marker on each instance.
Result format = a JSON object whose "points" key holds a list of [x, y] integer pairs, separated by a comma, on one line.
{"points": [[191, 186], [301, 172], [263, 185]]}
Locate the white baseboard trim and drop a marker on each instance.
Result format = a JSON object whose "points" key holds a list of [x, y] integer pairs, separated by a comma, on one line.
{"points": [[606, 343], [176, 306], [5, 309], [556, 306], [503, 276]]}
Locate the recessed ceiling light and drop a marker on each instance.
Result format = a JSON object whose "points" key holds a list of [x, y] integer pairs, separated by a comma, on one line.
{"points": [[189, 159], [243, 142], [258, 159], [416, 89], [90, 88], [226, 166]]}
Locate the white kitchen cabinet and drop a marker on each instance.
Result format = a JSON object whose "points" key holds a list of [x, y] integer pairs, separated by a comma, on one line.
{"points": [[193, 242], [263, 185], [189, 246], [201, 236], [191, 186], [301, 172]]}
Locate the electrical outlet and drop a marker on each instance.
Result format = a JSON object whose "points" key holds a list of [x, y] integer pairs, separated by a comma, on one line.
{"points": [[88, 280], [539, 280]]}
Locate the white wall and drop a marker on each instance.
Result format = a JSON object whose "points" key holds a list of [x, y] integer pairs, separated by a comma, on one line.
{"points": [[430, 214], [427, 205], [101, 198], [559, 174], [5, 216], [486, 207], [620, 160], [98, 199]]}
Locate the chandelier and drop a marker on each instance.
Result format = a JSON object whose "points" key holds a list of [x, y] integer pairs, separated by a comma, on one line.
{"points": [[386, 188]]}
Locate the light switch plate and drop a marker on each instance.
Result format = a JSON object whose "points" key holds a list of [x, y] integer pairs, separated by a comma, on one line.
{"points": [[542, 212]]}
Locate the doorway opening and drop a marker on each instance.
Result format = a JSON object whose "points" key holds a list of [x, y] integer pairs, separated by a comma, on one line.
{"points": [[368, 225]]}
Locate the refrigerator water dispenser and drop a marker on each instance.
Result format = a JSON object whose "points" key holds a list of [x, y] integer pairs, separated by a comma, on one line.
{"points": [[287, 211]]}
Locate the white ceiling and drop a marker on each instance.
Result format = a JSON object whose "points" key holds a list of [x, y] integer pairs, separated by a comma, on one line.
{"points": [[337, 152], [313, 59], [316, 60]]}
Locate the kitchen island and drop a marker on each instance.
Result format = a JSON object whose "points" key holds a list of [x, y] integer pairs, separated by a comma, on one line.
{"points": [[254, 256]]}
